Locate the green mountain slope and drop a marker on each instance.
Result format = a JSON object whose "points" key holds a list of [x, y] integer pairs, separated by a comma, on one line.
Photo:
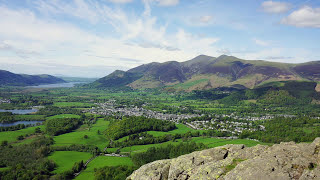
{"points": [[205, 72], [117, 79], [10, 79]]}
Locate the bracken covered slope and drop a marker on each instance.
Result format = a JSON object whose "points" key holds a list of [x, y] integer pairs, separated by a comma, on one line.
{"points": [[278, 162]]}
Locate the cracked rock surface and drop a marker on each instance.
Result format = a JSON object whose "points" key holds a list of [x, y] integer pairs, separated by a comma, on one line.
{"points": [[280, 161]]}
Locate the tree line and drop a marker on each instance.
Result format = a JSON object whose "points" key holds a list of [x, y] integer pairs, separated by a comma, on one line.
{"points": [[27, 161], [281, 129], [167, 152], [59, 126], [136, 124]]}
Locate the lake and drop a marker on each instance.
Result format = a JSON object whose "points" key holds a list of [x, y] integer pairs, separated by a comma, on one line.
{"points": [[58, 85], [20, 111], [19, 122]]}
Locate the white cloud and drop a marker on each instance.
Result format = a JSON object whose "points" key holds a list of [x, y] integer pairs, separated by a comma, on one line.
{"points": [[46, 40], [192, 43], [159, 3], [304, 17], [275, 7], [279, 54], [77, 8], [260, 42], [205, 19], [196, 20], [21, 29], [121, 1], [168, 2]]}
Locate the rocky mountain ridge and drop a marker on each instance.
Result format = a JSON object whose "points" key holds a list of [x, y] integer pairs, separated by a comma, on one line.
{"points": [[205, 72], [278, 162]]}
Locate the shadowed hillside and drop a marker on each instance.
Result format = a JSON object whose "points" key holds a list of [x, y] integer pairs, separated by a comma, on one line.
{"points": [[11, 79]]}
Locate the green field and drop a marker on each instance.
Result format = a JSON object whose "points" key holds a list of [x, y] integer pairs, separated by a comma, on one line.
{"points": [[4, 168], [66, 159], [210, 142], [64, 116], [11, 136], [181, 129], [25, 141], [100, 162], [77, 137], [215, 142], [143, 148], [72, 104]]}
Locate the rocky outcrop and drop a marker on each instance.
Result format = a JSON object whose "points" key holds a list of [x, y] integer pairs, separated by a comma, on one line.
{"points": [[280, 161], [318, 88]]}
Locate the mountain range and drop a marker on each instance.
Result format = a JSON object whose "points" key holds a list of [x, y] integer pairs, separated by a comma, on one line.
{"points": [[205, 72], [11, 79]]}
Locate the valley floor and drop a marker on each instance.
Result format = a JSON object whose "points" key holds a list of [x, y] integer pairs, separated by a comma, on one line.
{"points": [[82, 125]]}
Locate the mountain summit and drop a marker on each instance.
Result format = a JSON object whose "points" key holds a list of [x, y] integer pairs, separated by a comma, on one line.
{"points": [[205, 72]]}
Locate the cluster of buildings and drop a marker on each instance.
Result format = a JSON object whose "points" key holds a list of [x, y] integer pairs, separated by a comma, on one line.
{"points": [[109, 108], [233, 123], [233, 127], [5, 101], [253, 118]]}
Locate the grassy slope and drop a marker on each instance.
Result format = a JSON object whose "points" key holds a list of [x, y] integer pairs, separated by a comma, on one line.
{"points": [[143, 148], [191, 83], [64, 116], [77, 137], [145, 82], [72, 104], [4, 168], [66, 159], [11, 136], [215, 142], [201, 81], [210, 142], [100, 162], [181, 129]]}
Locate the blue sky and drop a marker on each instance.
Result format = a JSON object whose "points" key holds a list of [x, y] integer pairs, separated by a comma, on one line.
{"points": [[92, 38]]}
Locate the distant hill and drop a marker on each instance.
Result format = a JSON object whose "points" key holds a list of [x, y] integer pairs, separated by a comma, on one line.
{"points": [[205, 72], [10, 79]]}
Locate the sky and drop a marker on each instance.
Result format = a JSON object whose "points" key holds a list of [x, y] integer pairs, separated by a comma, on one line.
{"points": [[92, 38]]}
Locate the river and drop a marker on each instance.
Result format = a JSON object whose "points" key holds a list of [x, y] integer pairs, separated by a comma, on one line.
{"points": [[8, 124], [20, 111]]}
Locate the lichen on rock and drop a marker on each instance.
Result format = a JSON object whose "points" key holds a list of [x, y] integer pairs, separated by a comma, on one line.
{"points": [[280, 161]]}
